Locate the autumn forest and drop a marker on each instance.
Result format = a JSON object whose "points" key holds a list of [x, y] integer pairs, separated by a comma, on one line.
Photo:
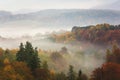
{"points": [[90, 53]]}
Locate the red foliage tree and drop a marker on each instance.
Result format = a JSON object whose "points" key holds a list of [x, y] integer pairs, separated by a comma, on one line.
{"points": [[108, 71]]}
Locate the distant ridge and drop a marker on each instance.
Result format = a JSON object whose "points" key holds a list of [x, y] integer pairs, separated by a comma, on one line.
{"points": [[65, 17]]}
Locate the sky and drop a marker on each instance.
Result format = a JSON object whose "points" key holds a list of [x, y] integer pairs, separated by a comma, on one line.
{"points": [[24, 5]]}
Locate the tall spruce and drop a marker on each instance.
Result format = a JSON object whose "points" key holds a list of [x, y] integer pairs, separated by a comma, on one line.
{"points": [[79, 77], [71, 73], [29, 55], [20, 56]]}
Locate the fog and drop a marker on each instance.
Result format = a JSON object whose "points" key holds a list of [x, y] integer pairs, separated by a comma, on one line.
{"points": [[84, 56], [27, 27]]}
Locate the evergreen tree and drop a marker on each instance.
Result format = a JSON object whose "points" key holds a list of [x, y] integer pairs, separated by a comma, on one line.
{"points": [[79, 75], [28, 55], [71, 73], [8, 54], [60, 76], [36, 58], [7, 51], [45, 65], [20, 56]]}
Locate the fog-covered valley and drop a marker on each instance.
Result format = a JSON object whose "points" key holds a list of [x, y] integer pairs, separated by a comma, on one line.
{"points": [[84, 56], [62, 37]]}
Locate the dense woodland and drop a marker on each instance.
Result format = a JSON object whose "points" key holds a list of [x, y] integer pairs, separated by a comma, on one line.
{"points": [[30, 63], [24, 63], [100, 34]]}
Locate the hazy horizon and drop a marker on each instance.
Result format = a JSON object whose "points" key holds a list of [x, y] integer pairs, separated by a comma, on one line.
{"points": [[43, 20], [21, 6]]}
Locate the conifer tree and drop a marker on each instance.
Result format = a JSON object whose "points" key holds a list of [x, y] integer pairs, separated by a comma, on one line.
{"points": [[29, 55], [71, 73], [20, 56]]}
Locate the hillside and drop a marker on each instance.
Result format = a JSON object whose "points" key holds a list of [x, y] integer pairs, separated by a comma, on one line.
{"points": [[101, 34]]}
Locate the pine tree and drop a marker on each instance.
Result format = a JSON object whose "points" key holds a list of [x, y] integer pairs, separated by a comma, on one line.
{"points": [[71, 73], [20, 56], [79, 75], [28, 55], [45, 65]]}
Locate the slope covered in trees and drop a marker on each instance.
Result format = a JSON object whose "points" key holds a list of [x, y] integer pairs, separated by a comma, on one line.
{"points": [[25, 64], [29, 63], [99, 34], [110, 70]]}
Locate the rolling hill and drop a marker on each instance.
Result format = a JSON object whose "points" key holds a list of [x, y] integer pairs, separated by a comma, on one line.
{"points": [[50, 20]]}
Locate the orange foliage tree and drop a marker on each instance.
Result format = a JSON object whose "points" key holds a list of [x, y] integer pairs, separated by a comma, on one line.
{"points": [[108, 71], [15, 71], [114, 55]]}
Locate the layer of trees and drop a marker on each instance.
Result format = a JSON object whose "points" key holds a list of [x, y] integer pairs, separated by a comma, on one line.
{"points": [[99, 34], [110, 70], [25, 64], [65, 37]]}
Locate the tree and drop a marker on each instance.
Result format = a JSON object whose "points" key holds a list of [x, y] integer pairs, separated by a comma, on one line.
{"points": [[64, 50], [45, 65], [114, 55], [15, 71], [1, 51], [21, 56], [108, 71], [41, 74], [60, 76], [23, 70], [7, 54], [81, 76], [29, 55], [108, 53], [71, 73]]}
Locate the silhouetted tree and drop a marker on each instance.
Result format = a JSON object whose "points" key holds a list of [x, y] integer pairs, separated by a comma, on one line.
{"points": [[64, 50], [71, 73], [81, 76]]}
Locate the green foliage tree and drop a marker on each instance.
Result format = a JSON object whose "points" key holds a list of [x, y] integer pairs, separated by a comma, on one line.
{"points": [[20, 56], [45, 65], [29, 55], [6, 54], [60, 76], [71, 73], [64, 50], [42, 74], [79, 75]]}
